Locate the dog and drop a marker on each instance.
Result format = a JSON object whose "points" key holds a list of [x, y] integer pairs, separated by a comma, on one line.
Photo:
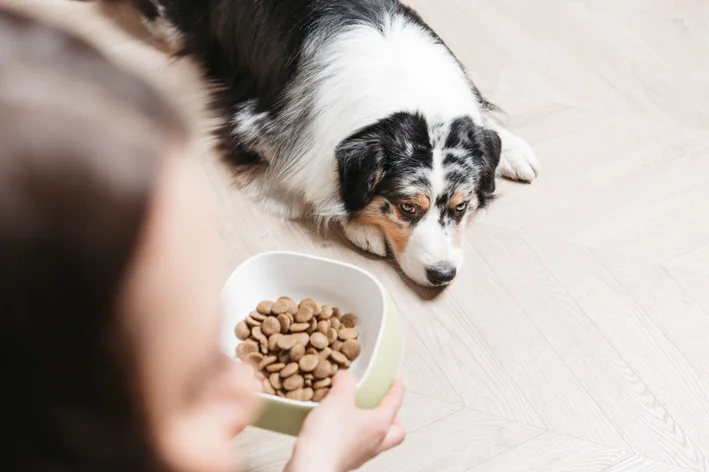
{"points": [[354, 112]]}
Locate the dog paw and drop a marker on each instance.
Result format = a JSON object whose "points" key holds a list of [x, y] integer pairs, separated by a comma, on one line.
{"points": [[369, 238], [518, 161]]}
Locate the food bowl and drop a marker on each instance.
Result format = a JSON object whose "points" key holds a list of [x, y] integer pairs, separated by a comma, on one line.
{"points": [[271, 275]]}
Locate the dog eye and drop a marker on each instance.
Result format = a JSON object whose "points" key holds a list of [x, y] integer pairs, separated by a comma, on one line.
{"points": [[407, 208], [462, 207]]}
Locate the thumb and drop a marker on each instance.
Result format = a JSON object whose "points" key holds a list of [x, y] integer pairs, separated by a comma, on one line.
{"points": [[344, 386]]}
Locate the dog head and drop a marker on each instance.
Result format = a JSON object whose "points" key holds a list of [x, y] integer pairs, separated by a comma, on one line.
{"points": [[419, 182]]}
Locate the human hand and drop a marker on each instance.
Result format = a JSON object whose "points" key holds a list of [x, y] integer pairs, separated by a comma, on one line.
{"points": [[338, 437]]}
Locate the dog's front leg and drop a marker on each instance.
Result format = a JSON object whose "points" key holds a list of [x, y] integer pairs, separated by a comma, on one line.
{"points": [[367, 237], [518, 161]]}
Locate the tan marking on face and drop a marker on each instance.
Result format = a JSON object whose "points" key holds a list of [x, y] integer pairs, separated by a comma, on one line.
{"points": [[457, 199], [397, 232], [422, 201]]}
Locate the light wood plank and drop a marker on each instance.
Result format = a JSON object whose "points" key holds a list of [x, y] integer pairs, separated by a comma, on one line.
{"points": [[470, 438], [674, 382], [642, 420], [552, 452]]}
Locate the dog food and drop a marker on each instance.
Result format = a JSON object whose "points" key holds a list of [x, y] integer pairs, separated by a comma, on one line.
{"points": [[296, 349]]}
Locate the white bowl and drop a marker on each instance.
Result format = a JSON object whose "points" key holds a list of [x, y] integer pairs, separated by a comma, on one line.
{"points": [[271, 275]]}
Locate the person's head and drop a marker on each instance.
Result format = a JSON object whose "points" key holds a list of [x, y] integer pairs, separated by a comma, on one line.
{"points": [[108, 282]]}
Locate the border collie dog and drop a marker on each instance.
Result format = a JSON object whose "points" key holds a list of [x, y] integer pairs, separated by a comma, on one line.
{"points": [[352, 111]]}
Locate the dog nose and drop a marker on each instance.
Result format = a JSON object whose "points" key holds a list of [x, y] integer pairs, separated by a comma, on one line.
{"points": [[441, 273]]}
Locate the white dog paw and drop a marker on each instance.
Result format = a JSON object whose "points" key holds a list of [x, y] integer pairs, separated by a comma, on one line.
{"points": [[518, 161], [369, 238]]}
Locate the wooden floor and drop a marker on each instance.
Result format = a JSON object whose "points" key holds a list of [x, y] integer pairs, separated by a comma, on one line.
{"points": [[577, 336]]}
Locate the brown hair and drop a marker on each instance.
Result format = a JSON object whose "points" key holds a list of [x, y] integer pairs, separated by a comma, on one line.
{"points": [[80, 144]]}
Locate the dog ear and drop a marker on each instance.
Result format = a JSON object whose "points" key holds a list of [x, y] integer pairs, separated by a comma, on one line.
{"points": [[485, 149], [491, 146], [360, 162]]}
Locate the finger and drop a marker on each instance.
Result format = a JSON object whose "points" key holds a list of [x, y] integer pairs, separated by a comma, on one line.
{"points": [[394, 437], [344, 386], [392, 402]]}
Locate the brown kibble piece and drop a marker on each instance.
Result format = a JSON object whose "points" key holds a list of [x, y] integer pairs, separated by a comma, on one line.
{"points": [[322, 370], [281, 306], [244, 349], [308, 376], [299, 327], [337, 345], [265, 307], [349, 320], [312, 350], [267, 387], [337, 313], [275, 381], [252, 322], [297, 352], [285, 322], [334, 369], [292, 306], [302, 338], [340, 358], [275, 367], [319, 340], [312, 304], [242, 331], [326, 382], [335, 323], [320, 394], [296, 395], [257, 316], [284, 357], [257, 334], [308, 363], [273, 342], [304, 315], [254, 359], [286, 342], [281, 394], [308, 382], [346, 334], [289, 370], [351, 348], [325, 313], [267, 361], [331, 335], [325, 353], [293, 382], [308, 394], [323, 327], [270, 326], [313, 326]]}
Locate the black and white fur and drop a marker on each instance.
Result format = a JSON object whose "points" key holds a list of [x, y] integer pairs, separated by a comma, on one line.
{"points": [[354, 111]]}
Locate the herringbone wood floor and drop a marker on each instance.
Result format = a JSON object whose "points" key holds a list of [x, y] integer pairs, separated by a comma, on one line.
{"points": [[577, 336]]}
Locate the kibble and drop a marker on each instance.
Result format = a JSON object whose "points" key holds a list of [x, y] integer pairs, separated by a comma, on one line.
{"points": [[242, 331], [351, 348], [319, 340], [296, 349], [304, 315], [297, 352], [349, 320], [293, 382], [320, 394], [265, 307], [270, 326], [309, 362], [289, 370]]}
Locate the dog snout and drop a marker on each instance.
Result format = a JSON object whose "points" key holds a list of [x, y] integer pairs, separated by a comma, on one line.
{"points": [[441, 274]]}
